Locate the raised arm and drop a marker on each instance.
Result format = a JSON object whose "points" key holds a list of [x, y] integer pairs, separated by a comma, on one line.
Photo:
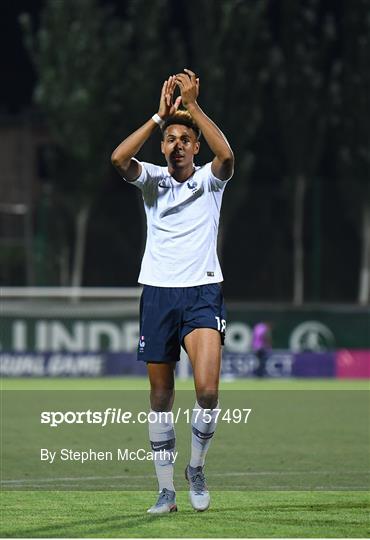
{"points": [[129, 147], [223, 162]]}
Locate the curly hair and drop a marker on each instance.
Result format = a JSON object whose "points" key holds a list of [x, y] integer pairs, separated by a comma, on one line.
{"points": [[183, 118]]}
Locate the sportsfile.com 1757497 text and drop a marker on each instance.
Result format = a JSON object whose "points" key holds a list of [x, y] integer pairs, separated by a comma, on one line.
{"points": [[113, 415]]}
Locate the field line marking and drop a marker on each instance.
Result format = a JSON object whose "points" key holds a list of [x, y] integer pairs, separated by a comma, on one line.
{"points": [[236, 487], [140, 476]]}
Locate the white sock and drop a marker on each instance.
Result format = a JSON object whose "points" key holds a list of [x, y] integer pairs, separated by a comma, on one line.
{"points": [[162, 440], [202, 433]]}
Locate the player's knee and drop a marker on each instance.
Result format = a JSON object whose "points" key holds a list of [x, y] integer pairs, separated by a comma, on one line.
{"points": [[207, 398], [161, 399]]}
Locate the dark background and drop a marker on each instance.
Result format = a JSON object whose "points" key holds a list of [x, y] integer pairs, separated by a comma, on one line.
{"points": [[257, 253]]}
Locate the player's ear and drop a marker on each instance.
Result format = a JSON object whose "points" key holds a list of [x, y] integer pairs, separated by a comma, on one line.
{"points": [[162, 149], [196, 148]]}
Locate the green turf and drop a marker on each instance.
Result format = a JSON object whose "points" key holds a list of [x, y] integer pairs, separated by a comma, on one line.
{"points": [[253, 511], [233, 514]]}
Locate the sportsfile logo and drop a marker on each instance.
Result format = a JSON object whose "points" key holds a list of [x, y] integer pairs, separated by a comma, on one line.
{"points": [[113, 415]]}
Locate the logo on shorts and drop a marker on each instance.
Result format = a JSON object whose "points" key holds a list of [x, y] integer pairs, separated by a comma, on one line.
{"points": [[141, 344], [210, 274]]}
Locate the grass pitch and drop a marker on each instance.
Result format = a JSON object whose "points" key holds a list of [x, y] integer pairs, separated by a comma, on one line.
{"points": [[233, 514], [43, 510]]}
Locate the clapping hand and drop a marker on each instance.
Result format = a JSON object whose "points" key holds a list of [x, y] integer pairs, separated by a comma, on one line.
{"points": [[167, 107], [188, 84]]}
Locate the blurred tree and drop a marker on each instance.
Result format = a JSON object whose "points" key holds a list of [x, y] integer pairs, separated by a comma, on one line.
{"points": [[93, 71], [353, 129], [227, 47], [303, 78]]}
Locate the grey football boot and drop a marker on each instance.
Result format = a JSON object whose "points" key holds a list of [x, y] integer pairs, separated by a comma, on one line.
{"points": [[166, 503], [198, 494]]}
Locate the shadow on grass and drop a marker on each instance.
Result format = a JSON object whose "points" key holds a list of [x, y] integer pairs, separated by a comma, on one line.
{"points": [[309, 507], [256, 514], [134, 520]]}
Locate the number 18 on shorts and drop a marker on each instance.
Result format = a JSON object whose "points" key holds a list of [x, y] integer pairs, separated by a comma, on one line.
{"points": [[168, 314]]}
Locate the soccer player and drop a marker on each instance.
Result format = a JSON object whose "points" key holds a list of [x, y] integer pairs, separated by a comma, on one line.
{"points": [[181, 302]]}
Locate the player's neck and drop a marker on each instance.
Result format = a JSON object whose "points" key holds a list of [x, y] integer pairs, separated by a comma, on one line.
{"points": [[181, 174]]}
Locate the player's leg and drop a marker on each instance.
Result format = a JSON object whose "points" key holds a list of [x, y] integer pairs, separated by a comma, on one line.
{"points": [[159, 347], [203, 346], [162, 433], [162, 385]]}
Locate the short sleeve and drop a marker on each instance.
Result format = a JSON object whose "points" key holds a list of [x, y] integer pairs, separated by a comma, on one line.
{"points": [[149, 173], [215, 183]]}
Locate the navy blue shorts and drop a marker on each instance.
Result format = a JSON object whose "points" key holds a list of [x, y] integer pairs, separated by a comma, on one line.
{"points": [[168, 314]]}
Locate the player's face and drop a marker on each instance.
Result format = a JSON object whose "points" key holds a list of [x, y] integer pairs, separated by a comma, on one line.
{"points": [[179, 146]]}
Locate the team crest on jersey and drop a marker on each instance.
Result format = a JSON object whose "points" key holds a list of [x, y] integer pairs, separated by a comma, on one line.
{"points": [[141, 344], [192, 184]]}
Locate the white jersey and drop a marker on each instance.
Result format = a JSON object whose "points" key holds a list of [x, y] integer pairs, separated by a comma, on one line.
{"points": [[182, 225]]}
